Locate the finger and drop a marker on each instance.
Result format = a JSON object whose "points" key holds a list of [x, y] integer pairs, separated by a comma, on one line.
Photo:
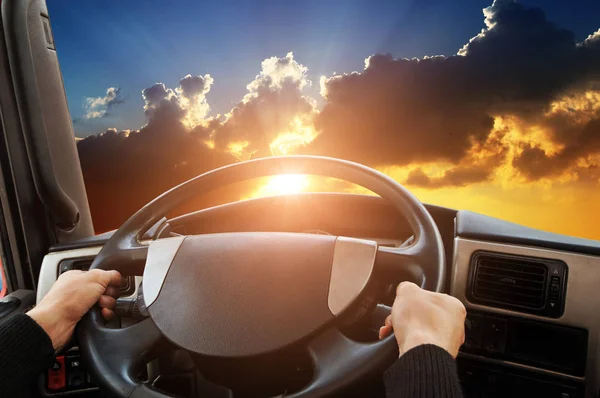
{"points": [[70, 273], [105, 278], [107, 314], [114, 278], [404, 286], [107, 302], [384, 331], [112, 291]]}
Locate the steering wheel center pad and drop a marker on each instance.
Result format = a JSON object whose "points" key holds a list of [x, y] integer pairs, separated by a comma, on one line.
{"points": [[243, 294]]}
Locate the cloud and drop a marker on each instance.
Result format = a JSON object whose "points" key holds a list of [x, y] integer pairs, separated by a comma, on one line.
{"points": [[180, 139], [98, 107], [437, 109], [148, 161], [123, 170], [186, 104], [518, 103], [578, 155], [273, 117]]}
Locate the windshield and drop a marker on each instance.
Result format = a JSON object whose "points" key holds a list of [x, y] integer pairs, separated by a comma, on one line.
{"points": [[496, 111]]}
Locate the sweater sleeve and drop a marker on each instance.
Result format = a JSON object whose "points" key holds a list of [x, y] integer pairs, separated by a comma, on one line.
{"points": [[25, 351], [426, 371]]}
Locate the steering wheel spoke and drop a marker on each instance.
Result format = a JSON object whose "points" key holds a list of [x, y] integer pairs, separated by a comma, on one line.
{"points": [[340, 362], [129, 258], [411, 263], [123, 351]]}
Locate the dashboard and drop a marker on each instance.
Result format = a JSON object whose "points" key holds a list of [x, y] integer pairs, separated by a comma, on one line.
{"points": [[531, 296]]}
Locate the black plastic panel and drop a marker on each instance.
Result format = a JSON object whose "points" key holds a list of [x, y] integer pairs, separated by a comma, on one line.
{"points": [[77, 380], [342, 214], [550, 283], [543, 345], [160, 229], [483, 379]]}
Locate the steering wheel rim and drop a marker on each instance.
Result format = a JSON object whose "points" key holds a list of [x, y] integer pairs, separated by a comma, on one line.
{"points": [[113, 355]]}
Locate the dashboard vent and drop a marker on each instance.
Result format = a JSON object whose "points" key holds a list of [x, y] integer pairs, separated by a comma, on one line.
{"points": [[524, 284], [509, 280]]}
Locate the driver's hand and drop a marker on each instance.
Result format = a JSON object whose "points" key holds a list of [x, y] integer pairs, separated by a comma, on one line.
{"points": [[73, 294], [423, 317]]}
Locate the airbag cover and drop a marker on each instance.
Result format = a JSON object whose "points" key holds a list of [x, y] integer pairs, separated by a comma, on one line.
{"points": [[244, 294]]}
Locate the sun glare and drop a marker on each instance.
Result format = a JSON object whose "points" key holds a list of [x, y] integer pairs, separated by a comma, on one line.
{"points": [[284, 184]]}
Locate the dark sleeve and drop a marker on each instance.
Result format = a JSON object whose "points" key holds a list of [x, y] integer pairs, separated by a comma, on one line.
{"points": [[426, 371], [25, 352]]}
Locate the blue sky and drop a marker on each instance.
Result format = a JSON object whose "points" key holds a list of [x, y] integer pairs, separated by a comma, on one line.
{"points": [[133, 44]]}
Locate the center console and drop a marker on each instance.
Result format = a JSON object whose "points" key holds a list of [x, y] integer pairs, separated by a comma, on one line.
{"points": [[66, 376], [501, 356], [530, 329]]}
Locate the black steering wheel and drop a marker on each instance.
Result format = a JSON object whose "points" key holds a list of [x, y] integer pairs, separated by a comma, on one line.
{"points": [[241, 295]]}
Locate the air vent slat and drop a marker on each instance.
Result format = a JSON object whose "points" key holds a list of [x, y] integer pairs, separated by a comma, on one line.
{"points": [[517, 288], [526, 265], [509, 280], [488, 288], [523, 275], [508, 277]]}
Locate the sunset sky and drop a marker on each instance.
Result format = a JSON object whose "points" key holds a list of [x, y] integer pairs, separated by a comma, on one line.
{"points": [[495, 111]]}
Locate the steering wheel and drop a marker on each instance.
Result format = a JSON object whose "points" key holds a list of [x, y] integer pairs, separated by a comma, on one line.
{"points": [[241, 295]]}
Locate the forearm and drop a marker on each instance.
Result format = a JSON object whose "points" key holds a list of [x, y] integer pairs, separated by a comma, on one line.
{"points": [[25, 352], [426, 371]]}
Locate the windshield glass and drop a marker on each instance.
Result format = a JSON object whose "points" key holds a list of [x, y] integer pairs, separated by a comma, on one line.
{"points": [[496, 112]]}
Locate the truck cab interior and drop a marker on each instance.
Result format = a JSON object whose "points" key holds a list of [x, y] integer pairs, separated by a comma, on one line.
{"points": [[272, 296]]}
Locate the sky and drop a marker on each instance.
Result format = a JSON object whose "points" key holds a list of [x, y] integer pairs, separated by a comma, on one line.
{"points": [[495, 110]]}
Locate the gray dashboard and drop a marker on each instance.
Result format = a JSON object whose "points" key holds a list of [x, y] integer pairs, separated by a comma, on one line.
{"points": [[464, 233]]}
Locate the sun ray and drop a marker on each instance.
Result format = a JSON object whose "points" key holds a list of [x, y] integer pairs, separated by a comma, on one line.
{"points": [[284, 184]]}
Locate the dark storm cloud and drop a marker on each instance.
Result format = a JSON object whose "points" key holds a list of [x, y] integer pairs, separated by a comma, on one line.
{"points": [[473, 169], [459, 176], [535, 163], [125, 170], [400, 111]]}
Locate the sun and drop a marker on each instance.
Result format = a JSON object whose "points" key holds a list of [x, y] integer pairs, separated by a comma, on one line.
{"points": [[284, 184]]}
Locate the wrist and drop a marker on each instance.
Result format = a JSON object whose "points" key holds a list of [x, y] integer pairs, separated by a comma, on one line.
{"points": [[416, 339], [53, 324]]}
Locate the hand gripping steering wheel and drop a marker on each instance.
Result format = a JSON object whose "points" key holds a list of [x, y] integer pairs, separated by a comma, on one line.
{"points": [[239, 295]]}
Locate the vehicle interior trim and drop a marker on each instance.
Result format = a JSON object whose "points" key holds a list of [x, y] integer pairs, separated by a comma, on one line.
{"points": [[49, 269], [584, 278], [351, 269], [161, 253], [520, 366]]}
